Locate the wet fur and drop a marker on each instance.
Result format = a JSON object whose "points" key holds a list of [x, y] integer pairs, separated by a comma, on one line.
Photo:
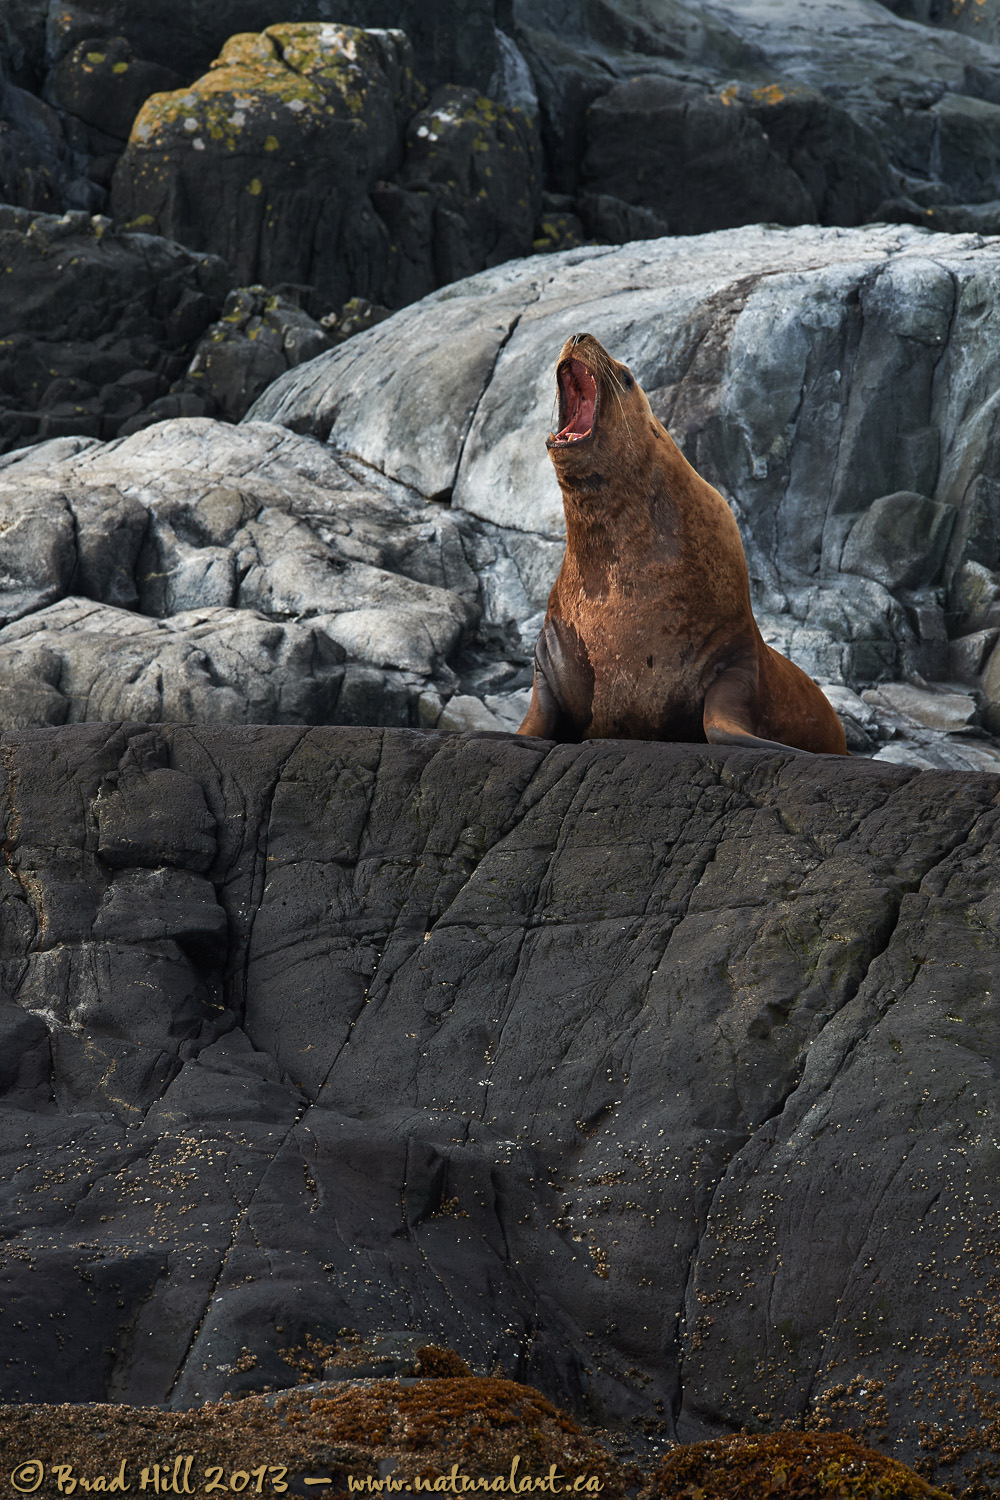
{"points": [[649, 632]]}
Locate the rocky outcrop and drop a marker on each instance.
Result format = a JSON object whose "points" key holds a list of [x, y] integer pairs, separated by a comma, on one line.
{"points": [[547, 125], [422, 196], [259, 336], [706, 159], [401, 568], [646, 1073], [95, 325], [197, 572], [827, 382], [38, 167], [729, 112]]}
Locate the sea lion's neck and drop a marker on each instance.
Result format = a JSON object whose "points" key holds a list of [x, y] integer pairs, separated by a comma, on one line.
{"points": [[627, 509]]}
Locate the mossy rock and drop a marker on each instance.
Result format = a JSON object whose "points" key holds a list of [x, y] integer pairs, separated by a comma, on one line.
{"points": [[480, 1425], [787, 1466]]}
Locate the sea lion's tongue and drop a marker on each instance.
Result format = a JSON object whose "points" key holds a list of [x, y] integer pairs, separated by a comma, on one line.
{"points": [[579, 396]]}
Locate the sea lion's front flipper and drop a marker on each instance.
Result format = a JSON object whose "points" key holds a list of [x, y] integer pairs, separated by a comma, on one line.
{"points": [[542, 717], [728, 717], [562, 695]]}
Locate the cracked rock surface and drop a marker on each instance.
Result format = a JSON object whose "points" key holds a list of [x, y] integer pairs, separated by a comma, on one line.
{"points": [[656, 1075]]}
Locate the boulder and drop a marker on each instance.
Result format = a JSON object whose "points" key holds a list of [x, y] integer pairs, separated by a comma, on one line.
{"points": [[933, 710], [707, 159], [208, 665], [281, 115], [22, 42], [259, 336], [98, 87], [480, 163], [225, 539], [974, 598], [900, 541], [837, 114], [39, 168], [605, 1065]]}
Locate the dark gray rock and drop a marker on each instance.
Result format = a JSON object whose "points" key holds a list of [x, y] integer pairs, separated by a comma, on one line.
{"points": [[480, 162], [22, 41], [94, 322], [39, 168], [284, 113], [454, 40], [492, 1028], [610, 219], [900, 541], [315, 104], [98, 88], [856, 112], [259, 336], [703, 159]]}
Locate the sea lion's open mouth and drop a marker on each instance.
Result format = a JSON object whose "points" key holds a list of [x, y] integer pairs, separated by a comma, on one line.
{"points": [[577, 403]]}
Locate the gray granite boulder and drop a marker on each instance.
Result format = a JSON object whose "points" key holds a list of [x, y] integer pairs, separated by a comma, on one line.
{"points": [[648, 1073]]}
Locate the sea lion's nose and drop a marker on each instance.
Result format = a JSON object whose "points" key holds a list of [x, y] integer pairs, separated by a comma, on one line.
{"points": [[578, 338]]}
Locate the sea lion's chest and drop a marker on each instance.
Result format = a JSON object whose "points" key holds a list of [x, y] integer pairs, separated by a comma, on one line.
{"points": [[647, 659]]}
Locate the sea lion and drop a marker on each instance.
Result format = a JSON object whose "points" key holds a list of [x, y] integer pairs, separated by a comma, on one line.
{"points": [[649, 632]]}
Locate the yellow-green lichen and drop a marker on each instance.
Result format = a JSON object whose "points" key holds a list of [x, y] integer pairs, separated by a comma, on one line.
{"points": [[312, 70]]}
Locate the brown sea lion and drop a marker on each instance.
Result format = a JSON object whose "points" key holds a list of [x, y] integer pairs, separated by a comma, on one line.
{"points": [[649, 632]]}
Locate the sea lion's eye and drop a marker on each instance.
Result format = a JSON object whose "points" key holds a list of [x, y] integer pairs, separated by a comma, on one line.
{"points": [[629, 382]]}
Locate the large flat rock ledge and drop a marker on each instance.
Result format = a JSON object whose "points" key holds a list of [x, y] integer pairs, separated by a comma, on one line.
{"points": [[661, 1076]]}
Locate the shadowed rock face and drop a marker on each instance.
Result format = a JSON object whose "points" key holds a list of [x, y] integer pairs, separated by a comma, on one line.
{"points": [[660, 1075]]}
